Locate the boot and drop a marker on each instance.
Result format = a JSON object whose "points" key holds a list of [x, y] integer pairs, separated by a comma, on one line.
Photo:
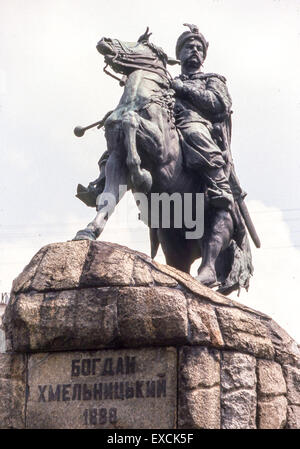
{"points": [[89, 194], [218, 189]]}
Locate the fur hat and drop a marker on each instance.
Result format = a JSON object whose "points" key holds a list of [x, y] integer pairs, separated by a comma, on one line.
{"points": [[194, 32]]}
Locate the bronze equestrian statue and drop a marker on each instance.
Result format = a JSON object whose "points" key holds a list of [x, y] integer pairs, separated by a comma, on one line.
{"points": [[173, 136]]}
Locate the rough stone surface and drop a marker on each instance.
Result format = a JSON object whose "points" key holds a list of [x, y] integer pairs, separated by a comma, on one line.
{"points": [[199, 388], [64, 300], [293, 417], [152, 316], [239, 410], [121, 389], [287, 351], [199, 367], [76, 319], [270, 378], [238, 392], [203, 324], [98, 317], [24, 281], [272, 413], [61, 266], [194, 286], [199, 409], [12, 391], [238, 371], [236, 367], [58, 267], [292, 377], [244, 332], [102, 267]]}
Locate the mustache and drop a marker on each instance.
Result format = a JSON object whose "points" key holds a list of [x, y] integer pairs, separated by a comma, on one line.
{"points": [[195, 54], [192, 53]]}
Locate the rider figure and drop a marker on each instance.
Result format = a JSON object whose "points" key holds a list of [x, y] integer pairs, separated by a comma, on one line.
{"points": [[202, 104]]}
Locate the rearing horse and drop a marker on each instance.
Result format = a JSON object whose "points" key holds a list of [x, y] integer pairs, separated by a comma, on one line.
{"points": [[145, 154]]}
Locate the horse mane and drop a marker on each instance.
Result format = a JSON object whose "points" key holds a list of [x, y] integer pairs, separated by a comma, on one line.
{"points": [[158, 51], [144, 39]]}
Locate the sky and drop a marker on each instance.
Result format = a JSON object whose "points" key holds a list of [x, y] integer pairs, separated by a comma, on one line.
{"points": [[51, 80]]}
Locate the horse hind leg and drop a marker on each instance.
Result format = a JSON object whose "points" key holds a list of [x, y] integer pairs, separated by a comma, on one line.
{"points": [[141, 179], [212, 245], [176, 249]]}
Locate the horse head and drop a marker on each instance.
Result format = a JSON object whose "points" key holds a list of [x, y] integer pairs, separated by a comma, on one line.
{"points": [[125, 57]]}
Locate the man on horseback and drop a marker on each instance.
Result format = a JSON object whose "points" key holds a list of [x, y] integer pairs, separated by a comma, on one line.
{"points": [[148, 155], [203, 105], [202, 113]]}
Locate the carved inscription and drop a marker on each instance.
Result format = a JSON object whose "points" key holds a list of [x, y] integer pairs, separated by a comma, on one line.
{"points": [[107, 367], [103, 389]]}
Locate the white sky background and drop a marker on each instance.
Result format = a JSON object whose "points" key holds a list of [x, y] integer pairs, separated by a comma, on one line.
{"points": [[51, 79]]}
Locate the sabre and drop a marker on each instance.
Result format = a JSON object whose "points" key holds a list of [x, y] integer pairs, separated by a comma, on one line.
{"points": [[80, 130]]}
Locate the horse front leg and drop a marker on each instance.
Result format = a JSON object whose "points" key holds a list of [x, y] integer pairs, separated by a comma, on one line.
{"points": [[116, 175], [141, 179]]}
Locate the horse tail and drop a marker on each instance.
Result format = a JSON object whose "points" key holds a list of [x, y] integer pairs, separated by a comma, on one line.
{"points": [[153, 234]]}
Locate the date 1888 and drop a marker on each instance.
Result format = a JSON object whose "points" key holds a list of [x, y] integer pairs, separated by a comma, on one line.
{"points": [[102, 416]]}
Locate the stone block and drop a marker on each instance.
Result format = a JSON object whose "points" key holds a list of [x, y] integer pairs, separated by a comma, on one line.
{"points": [[66, 265], [237, 371], [272, 413], [199, 388], [292, 377], [24, 280], [156, 315], [238, 409], [287, 351], [270, 378], [111, 389], [60, 267], [244, 332], [63, 320], [199, 409], [12, 391], [238, 390], [112, 264], [203, 324], [199, 367], [293, 417]]}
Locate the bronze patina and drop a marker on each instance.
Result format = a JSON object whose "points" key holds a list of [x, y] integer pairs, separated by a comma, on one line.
{"points": [[173, 136]]}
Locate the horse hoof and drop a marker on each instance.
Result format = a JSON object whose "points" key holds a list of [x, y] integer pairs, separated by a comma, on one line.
{"points": [[211, 283], [85, 234], [207, 277], [214, 284]]}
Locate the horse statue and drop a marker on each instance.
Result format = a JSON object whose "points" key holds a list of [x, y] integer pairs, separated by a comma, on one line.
{"points": [[145, 153]]}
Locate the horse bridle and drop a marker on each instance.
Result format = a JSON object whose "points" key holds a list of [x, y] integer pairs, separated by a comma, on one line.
{"points": [[154, 66]]}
